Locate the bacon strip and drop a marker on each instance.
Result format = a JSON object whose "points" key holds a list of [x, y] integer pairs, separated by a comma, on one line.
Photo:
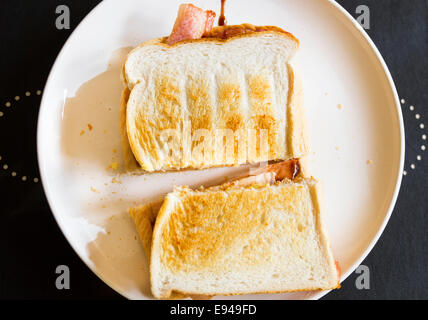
{"points": [[283, 170], [288, 169], [210, 21], [191, 23]]}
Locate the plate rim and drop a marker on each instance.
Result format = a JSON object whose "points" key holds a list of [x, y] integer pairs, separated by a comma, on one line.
{"points": [[316, 296], [399, 178]]}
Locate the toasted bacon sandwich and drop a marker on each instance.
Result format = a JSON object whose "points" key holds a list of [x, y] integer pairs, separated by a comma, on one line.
{"points": [[258, 234], [212, 96], [220, 96]]}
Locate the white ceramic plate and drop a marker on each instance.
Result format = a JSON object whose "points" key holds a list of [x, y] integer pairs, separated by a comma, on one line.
{"points": [[357, 150]]}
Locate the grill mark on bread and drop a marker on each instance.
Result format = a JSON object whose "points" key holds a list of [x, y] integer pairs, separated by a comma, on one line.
{"points": [[230, 111], [169, 104], [170, 117], [264, 117], [200, 107], [230, 96], [146, 137]]}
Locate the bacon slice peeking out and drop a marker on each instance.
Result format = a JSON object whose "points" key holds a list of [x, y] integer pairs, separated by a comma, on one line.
{"points": [[191, 23], [283, 170], [270, 174]]}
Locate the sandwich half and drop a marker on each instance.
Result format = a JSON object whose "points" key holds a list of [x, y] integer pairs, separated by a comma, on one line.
{"points": [[259, 234], [228, 98]]}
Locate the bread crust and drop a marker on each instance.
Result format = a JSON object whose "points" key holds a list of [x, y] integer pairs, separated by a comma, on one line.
{"points": [[297, 135], [317, 194], [130, 163]]}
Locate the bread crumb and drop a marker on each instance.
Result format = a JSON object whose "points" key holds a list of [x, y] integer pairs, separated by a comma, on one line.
{"points": [[114, 165], [90, 127], [369, 162], [114, 150], [135, 237], [82, 132], [340, 106], [114, 180], [103, 206], [337, 148], [94, 190]]}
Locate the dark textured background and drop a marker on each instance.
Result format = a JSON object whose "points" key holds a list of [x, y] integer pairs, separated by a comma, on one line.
{"points": [[31, 244]]}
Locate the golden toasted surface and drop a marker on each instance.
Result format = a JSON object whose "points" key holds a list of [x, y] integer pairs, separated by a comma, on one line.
{"points": [[218, 124], [212, 231], [265, 116]]}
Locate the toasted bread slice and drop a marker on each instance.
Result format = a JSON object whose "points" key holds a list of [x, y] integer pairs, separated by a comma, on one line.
{"points": [[144, 217], [257, 239], [188, 100]]}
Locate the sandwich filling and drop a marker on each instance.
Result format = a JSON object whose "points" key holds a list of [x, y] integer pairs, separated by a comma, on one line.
{"points": [[194, 23]]}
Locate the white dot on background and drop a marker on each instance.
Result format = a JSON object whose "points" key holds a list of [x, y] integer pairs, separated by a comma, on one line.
{"points": [[28, 93], [412, 166], [405, 172], [423, 148], [14, 174], [417, 116], [36, 180], [24, 178], [422, 126], [1, 114], [17, 98], [5, 167], [424, 137], [8, 104], [403, 101], [419, 158], [412, 108], [39, 92]]}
